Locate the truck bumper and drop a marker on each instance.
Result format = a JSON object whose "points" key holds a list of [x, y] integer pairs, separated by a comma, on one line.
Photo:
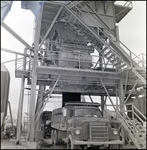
{"points": [[76, 142]]}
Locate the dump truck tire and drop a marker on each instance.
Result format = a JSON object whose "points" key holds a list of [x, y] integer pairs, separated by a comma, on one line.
{"points": [[52, 136], [56, 137], [70, 144]]}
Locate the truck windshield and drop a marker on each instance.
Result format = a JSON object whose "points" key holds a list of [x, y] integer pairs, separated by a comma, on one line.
{"points": [[87, 112]]}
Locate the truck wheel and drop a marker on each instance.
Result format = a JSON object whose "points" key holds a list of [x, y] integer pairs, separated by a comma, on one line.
{"points": [[55, 137], [70, 144], [52, 136]]}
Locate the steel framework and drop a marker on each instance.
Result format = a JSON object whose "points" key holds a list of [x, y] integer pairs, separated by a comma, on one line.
{"points": [[77, 49]]}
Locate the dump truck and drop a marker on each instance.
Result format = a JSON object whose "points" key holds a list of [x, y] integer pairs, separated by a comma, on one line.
{"points": [[84, 125]]}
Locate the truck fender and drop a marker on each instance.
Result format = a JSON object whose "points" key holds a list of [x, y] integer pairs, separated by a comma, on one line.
{"points": [[70, 131]]}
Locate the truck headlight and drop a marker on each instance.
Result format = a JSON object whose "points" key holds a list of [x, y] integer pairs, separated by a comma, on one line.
{"points": [[115, 132], [77, 131]]}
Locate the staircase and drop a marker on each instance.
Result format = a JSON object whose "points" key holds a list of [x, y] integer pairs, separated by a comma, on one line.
{"points": [[114, 50], [134, 127]]}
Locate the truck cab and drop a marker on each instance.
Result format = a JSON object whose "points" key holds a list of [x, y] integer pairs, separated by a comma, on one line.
{"points": [[83, 125]]}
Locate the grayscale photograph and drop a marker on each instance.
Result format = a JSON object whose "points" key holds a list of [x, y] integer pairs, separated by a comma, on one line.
{"points": [[73, 75]]}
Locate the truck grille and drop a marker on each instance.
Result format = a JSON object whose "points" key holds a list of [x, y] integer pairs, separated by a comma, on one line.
{"points": [[98, 132]]}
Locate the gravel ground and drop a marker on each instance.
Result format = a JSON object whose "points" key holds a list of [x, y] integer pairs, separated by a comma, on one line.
{"points": [[11, 144]]}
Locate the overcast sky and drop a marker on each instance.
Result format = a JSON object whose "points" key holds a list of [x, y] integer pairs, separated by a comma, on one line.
{"points": [[132, 30]]}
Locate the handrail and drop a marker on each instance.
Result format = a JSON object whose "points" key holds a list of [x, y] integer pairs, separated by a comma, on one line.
{"points": [[140, 54], [91, 59], [130, 104], [139, 112], [132, 129], [130, 52]]}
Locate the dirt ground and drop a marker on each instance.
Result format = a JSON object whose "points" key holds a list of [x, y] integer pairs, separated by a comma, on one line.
{"points": [[11, 144]]}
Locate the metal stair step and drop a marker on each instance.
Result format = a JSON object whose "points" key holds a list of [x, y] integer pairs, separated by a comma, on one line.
{"points": [[107, 53]]}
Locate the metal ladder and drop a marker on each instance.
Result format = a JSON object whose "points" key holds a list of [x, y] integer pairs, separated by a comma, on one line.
{"points": [[117, 55], [134, 127]]}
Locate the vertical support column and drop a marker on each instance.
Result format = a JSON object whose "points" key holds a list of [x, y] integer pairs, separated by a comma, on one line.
{"points": [[143, 61], [39, 104], [31, 133], [20, 106], [116, 102], [105, 108], [121, 96], [117, 33], [100, 60], [102, 102], [10, 114], [20, 109]]}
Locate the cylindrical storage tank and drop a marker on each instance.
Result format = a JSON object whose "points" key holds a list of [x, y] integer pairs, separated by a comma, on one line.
{"points": [[5, 82]]}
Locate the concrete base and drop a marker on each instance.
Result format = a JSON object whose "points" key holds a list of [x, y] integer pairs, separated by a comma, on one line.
{"points": [[31, 145]]}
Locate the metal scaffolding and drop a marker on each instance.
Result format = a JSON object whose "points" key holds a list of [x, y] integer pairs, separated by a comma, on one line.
{"points": [[61, 58]]}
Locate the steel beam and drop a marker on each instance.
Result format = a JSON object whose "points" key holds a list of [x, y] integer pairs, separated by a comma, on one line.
{"points": [[39, 103], [75, 72], [40, 111], [12, 51], [108, 94], [11, 60], [102, 102], [20, 109], [121, 97], [20, 106], [39, 100], [55, 2], [71, 4], [138, 75], [90, 98], [31, 134], [51, 26], [127, 76], [131, 91], [15, 35], [10, 113]]}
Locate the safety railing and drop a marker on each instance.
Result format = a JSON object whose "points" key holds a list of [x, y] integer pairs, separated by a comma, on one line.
{"points": [[70, 59], [129, 111], [140, 60], [23, 63], [63, 58], [19, 62], [133, 121]]}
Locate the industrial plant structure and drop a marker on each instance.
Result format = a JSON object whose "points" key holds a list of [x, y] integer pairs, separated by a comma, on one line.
{"points": [[77, 52]]}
